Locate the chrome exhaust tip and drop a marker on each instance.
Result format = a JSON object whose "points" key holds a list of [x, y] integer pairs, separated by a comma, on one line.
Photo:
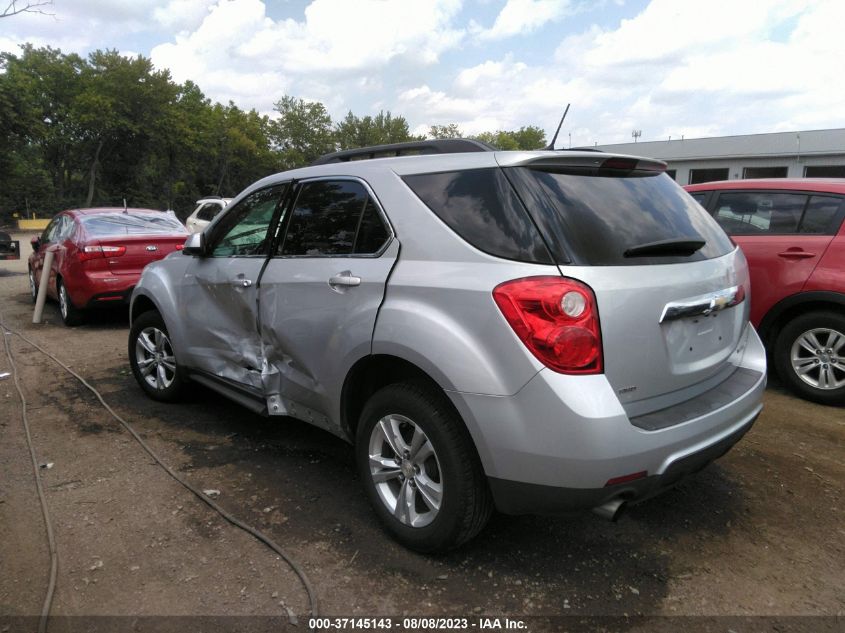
{"points": [[611, 510]]}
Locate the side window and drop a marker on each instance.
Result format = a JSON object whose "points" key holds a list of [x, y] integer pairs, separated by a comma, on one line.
{"points": [[760, 213], [699, 197], [482, 208], [50, 232], [822, 216], [244, 231], [206, 211], [325, 218], [65, 230], [372, 233]]}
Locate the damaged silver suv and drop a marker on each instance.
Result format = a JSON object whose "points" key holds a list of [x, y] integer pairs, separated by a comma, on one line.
{"points": [[535, 332]]}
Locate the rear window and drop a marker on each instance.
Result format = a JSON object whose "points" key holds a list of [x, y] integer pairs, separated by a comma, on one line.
{"points": [[594, 220], [107, 224], [481, 207]]}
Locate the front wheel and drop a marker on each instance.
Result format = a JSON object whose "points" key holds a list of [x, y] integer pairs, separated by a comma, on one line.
{"points": [[152, 359], [810, 356], [420, 469]]}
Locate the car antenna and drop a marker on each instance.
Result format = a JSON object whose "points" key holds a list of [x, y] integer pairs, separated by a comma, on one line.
{"points": [[554, 138], [125, 210]]}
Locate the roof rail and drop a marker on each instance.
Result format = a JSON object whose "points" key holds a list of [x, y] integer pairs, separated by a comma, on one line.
{"points": [[435, 146]]}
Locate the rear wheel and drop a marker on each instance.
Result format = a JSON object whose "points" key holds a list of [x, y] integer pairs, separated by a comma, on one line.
{"points": [[33, 288], [71, 315], [810, 356], [152, 359], [420, 469]]}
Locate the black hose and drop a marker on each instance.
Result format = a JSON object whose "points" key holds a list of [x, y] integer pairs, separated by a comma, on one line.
{"points": [[54, 556], [312, 594]]}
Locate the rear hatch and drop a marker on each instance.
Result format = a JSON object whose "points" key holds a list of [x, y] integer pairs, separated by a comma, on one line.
{"points": [[129, 241], [138, 251], [668, 282]]}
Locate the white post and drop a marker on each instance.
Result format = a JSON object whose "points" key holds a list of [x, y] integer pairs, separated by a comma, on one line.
{"points": [[42, 287]]}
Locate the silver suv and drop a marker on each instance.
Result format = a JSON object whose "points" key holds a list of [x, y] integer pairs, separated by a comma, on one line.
{"points": [[536, 332]]}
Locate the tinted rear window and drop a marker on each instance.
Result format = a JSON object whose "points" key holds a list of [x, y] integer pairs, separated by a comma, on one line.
{"points": [[106, 224], [594, 220], [481, 207]]}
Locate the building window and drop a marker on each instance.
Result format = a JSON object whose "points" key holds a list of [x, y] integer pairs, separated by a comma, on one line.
{"points": [[763, 172], [825, 171], [671, 173], [707, 175]]}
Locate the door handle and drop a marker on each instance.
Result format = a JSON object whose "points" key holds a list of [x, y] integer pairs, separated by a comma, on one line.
{"points": [[795, 254], [344, 279], [242, 283]]}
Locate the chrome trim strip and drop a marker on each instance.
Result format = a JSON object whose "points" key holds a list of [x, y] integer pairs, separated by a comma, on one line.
{"points": [[702, 305]]}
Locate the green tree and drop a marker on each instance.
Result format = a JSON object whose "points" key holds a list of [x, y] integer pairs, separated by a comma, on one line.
{"points": [[525, 138], [302, 133], [450, 130], [382, 129]]}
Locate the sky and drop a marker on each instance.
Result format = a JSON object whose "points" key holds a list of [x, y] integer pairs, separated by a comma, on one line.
{"points": [[668, 68]]}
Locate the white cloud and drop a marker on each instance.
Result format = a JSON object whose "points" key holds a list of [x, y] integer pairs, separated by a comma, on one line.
{"points": [[673, 69], [347, 40], [520, 17]]}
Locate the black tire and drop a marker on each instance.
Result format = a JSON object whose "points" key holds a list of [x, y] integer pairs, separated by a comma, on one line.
{"points": [[824, 326], [33, 285], [71, 315], [466, 503], [172, 387]]}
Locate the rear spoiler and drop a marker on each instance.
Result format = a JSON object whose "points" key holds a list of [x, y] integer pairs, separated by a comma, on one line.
{"points": [[588, 164]]}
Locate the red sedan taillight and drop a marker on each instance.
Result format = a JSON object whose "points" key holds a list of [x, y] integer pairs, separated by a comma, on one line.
{"points": [[557, 319], [95, 252]]}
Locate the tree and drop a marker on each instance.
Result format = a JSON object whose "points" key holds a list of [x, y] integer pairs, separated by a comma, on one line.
{"points": [[525, 138], [353, 132], [450, 130], [302, 133], [34, 6]]}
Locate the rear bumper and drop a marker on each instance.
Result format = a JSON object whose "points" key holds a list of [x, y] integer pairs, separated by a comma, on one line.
{"points": [[560, 439], [101, 289], [514, 497]]}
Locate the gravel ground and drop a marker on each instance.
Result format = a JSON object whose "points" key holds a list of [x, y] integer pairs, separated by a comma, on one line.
{"points": [[758, 533]]}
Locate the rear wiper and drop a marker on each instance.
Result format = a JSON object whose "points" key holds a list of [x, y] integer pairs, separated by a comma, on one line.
{"points": [[683, 247]]}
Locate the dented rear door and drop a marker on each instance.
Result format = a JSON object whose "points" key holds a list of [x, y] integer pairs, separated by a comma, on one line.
{"points": [[320, 294]]}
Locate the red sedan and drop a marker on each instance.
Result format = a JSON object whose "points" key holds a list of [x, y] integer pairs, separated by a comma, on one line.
{"points": [[99, 255], [792, 234]]}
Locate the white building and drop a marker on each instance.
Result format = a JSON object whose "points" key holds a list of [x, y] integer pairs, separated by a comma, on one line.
{"points": [[808, 154]]}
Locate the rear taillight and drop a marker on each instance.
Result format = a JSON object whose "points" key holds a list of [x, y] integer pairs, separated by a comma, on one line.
{"points": [[179, 247], [97, 251], [557, 319]]}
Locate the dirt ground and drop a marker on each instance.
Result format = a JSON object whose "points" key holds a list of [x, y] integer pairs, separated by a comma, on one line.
{"points": [[758, 533]]}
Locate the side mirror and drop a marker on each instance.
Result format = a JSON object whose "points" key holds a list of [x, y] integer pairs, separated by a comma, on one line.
{"points": [[195, 245], [36, 243]]}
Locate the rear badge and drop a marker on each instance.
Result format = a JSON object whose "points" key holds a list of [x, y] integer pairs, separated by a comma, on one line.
{"points": [[626, 390], [152, 248]]}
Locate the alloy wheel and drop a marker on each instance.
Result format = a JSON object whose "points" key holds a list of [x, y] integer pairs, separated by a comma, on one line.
{"points": [[405, 470], [155, 359], [63, 301], [817, 358]]}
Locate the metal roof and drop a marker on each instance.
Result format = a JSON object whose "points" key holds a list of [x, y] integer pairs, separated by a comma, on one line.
{"points": [[803, 143]]}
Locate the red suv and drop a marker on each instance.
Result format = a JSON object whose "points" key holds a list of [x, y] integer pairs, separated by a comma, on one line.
{"points": [[792, 235]]}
